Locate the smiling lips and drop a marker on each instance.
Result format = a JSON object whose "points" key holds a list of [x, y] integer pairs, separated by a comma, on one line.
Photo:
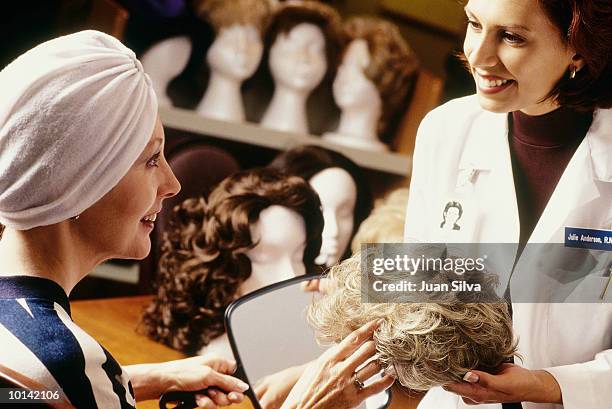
{"points": [[489, 84], [149, 220]]}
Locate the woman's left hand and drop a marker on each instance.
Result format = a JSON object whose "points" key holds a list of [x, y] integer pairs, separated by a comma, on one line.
{"points": [[512, 383], [333, 382]]}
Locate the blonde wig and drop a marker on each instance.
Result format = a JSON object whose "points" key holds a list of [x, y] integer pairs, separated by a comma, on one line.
{"points": [[386, 222], [224, 13], [392, 62], [423, 344], [203, 262]]}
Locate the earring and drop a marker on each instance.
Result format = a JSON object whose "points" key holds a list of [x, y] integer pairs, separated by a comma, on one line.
{"points": [[74, 218], [573, 71]]}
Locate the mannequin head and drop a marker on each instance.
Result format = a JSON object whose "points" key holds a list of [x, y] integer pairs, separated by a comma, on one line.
{"points": [[280, 234], [304, 38], [352, 88], [386, 222], [346, 201], [210, 254], [338, 193], [236, 52], [239, 26], [423, 344], [391, 62]]}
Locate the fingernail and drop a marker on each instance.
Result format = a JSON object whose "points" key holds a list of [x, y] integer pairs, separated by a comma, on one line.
{"points": [[212, 393], [379, 322], [233, 396], [389, 371], [201, 400], [242, 386], [471, 377]]}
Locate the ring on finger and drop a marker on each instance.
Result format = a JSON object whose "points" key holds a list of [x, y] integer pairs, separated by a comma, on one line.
{"points": [[357, 382]]}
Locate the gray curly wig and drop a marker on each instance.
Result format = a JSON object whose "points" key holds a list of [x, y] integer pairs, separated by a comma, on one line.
{"points": [[424, 344]]}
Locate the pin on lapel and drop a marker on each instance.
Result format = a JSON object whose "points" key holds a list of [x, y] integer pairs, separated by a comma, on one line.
{"points": [[467, 176], [605, 290]]}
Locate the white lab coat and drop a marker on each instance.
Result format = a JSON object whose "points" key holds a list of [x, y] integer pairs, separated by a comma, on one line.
{"points": [[462, 153]]}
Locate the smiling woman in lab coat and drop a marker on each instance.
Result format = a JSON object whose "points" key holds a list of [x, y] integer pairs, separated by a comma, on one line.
{"points": [[525, 158]]}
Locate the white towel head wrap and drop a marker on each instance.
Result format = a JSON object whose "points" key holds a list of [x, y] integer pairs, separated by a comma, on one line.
{"points": [[75, 113]]}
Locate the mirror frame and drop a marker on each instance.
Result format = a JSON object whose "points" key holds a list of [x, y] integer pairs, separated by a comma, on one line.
{"points": [[240, 372]]}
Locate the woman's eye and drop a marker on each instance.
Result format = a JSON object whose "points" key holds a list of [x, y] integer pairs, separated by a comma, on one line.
{"points": [[154, 161], [512, 38], [474, 25]]}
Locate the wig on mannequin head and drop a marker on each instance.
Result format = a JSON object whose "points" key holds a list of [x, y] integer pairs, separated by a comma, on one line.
{"points": [[307, 160], [223, 13], [422, 344], [386, 222], [392, 62], [203, 262], [291, 13]]}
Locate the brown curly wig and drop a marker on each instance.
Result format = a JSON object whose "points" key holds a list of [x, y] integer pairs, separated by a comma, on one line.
{"points": [[203, 262]]}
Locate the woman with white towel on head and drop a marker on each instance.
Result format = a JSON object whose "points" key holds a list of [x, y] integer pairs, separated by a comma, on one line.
{"points": [[82, 177]]}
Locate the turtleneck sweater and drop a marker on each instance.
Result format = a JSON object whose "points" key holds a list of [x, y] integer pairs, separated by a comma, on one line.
{"points": [[541, 148]]}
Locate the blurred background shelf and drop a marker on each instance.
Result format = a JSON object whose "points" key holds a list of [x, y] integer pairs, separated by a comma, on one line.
{"points": [[253, 134]]}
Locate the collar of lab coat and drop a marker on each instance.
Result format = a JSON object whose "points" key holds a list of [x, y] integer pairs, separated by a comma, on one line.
{"points": [[599, 139], [488, 143]]}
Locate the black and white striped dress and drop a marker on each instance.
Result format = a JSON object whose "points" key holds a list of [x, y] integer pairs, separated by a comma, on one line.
{"points": [[39, 339]]}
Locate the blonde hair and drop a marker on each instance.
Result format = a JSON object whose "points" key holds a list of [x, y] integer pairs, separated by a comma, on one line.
{"points": [[392, 62], [224, 13], [424, 344], [386, 222]]}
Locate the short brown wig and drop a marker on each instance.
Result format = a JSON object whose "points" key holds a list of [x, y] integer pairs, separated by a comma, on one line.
{"points": [[224, 13], [422, 344], [203, 262], [392, 62], [294, 12]]}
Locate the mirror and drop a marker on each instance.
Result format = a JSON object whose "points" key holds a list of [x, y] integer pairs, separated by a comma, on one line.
{"points": [[268, 333]]}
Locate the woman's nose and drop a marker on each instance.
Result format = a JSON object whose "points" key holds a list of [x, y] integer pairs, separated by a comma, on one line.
{"points": [[481, 50], [171, 185]]}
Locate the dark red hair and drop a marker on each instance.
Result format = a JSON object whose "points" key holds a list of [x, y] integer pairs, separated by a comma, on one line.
{"points": [[586, 26]]}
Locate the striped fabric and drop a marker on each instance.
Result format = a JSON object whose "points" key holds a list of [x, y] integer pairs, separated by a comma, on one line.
{"points": [[39, 339]]}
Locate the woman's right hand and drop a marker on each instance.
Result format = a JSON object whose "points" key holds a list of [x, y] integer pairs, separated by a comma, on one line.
{"points": [[330, 381]]}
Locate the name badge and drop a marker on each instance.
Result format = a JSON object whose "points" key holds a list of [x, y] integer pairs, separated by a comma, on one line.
{"points": [[592, 239]]}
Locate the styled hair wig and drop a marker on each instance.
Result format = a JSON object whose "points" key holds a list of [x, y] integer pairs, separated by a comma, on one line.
{"points": [[291, 13], [224, 13], [203, 262], [386, 222], [424, 344], [306, 161], [392, 62]]}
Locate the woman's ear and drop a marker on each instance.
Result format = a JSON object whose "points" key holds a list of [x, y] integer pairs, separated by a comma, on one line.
{"points": [[578, 62]]}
